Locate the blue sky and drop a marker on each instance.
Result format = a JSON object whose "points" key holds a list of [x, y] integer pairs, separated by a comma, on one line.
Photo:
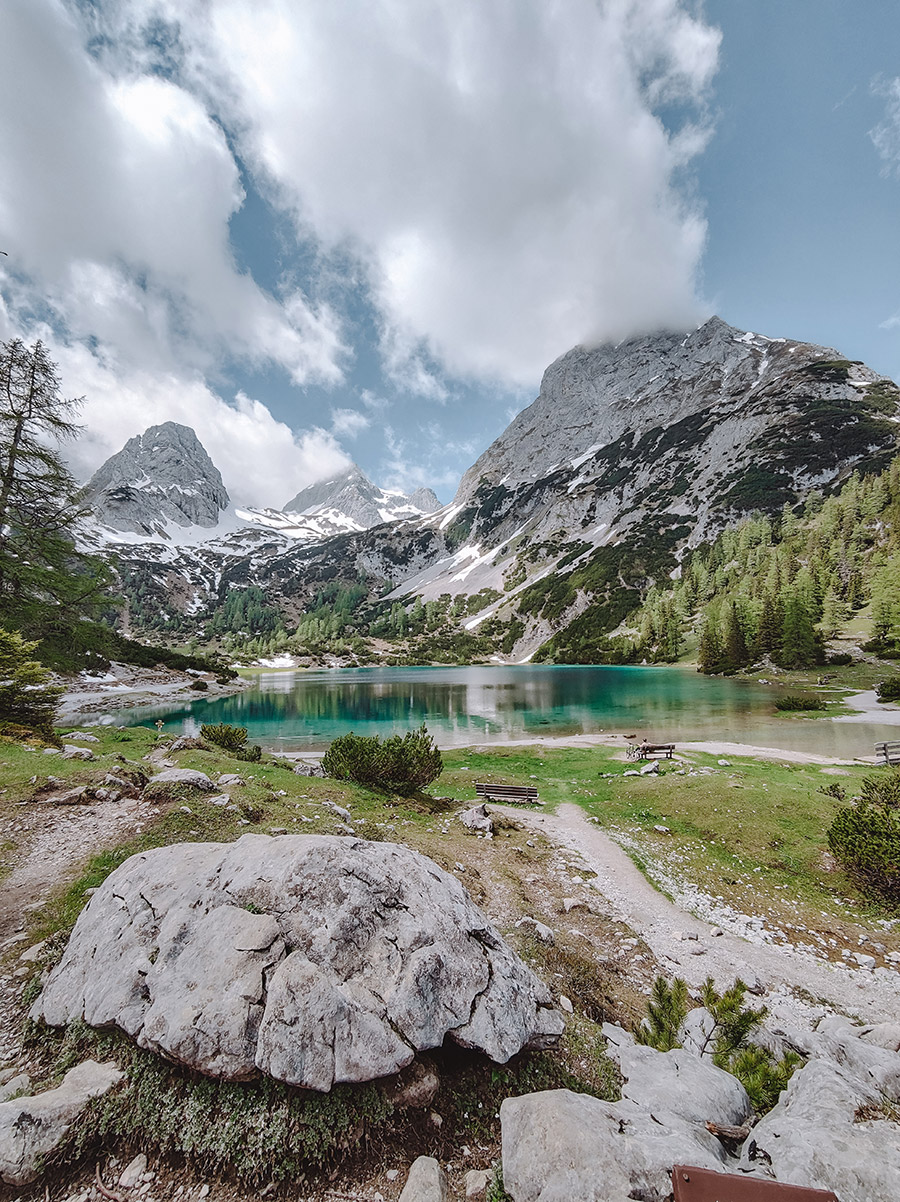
{"points": [[356, 229]]}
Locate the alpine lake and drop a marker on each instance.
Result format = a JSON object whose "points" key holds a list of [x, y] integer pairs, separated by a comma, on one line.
{"points": [[305, 710]]}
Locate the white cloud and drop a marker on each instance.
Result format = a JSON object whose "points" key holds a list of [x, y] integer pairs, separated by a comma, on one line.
{"points": [[347, 423], [498, 168], [261, 460], [886, 135], [115, 199]]}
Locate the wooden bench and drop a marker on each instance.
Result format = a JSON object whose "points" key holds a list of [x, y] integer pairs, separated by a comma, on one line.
{"points": [[515, 793], [650, 751], [889, 753]]}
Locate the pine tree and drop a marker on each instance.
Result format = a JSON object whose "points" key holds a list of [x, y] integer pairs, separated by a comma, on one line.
{"points": [[735, 652], [800, 647]]}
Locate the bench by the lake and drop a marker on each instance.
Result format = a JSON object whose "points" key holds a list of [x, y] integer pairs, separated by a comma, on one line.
{"points": [[651, 751], [514, 793], [889, 753]]}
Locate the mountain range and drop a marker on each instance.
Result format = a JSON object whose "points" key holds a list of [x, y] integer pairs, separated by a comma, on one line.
{"points": [[630, 454]]}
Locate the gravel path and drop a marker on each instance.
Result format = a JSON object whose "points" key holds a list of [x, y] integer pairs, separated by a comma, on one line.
{"points": [[781, 970]]}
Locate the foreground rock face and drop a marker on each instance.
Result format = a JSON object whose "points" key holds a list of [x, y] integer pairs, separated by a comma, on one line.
{"points": [[32, 1127], [312, 959]]}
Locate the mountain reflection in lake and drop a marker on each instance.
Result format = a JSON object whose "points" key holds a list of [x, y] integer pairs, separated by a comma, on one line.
{"points": [[307, 709]]}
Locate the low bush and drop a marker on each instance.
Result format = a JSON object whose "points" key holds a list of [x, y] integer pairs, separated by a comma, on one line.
{"points": [[865, 837], [840, 659], [889, 690], [794, 703], [199, 686], [232, 739], [397, 765], [761, 1074]]}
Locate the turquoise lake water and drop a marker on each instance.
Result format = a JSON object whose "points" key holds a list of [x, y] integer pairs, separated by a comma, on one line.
{"points": [[307, 709]]}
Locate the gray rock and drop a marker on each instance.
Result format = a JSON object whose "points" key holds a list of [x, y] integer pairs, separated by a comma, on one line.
{"points": [[163, 475], [812, 1139], [873, 1066], [184, 776], [560, 1146], [133, 1172], [17, 1085], [69, 797], [426, 1182], [31, 1127], [650, 769], [694, 1033], [476, 819], [71, 752], [83, 737], [476, 1182], [341, 812], [883, 1035], [679, 1083], [354, 494], [539, 929], [229, 778], [351, 957]]}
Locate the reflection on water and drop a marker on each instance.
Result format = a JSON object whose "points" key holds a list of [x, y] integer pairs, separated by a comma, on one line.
{"points": [[296, 710]]}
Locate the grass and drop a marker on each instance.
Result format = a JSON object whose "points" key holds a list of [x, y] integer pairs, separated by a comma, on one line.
{"points": [[753, 834]]}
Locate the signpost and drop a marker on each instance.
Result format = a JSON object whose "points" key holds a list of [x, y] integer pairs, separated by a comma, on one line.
{"points": [[703, 1185]]}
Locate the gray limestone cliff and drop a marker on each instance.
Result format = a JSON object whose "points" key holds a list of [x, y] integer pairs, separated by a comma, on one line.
{"points": [[161, 476]]}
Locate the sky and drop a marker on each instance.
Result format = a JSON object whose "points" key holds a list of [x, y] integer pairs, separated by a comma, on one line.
{"points": [[358, 230]]}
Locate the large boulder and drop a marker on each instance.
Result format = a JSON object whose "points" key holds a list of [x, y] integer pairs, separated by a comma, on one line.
{"points": [[32, 1127], [560, 1146], [681, 1084], [309, 958], [829, 1130]]}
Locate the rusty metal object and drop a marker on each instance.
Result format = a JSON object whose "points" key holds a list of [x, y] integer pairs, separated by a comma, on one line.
{"points": [[704, 1185]]}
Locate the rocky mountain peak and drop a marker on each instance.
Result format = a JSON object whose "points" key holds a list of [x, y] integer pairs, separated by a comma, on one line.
{"points": [[159, 477], [352, 493]]}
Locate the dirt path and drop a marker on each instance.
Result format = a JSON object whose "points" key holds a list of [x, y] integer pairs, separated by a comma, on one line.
{"points": [[782, 969]]}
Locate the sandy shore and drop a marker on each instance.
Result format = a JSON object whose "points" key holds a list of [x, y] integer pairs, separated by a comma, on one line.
{"points": [[869, 709]]}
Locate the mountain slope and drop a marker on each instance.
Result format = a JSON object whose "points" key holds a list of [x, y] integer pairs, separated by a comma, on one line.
{"points": [[630, 454], [159, 477]]}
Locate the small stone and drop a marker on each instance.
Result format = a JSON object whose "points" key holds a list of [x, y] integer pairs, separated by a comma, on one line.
{"points": [[133, 1172], [631, 772], [716, 932], [724, 763], [392, 1174], [540, 929], [476, 1182], [573, 903], [426, 1182], [16, 1086], [663, 830], [566, 1004], [650, 769], [863, 960], [204, 1190]]}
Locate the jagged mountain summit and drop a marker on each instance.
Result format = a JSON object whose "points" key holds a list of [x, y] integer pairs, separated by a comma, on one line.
{"points": [[354, 494], [161, 478]]}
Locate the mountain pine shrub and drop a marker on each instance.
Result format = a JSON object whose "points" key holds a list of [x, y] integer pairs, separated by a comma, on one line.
{"points": [[889, 690], [28, 699], [865, 837], [397, 765], [232, 739]]}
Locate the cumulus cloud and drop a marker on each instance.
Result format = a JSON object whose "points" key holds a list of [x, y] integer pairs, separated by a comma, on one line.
{"points": [[500, 168], [115, 200], [347, 423]]}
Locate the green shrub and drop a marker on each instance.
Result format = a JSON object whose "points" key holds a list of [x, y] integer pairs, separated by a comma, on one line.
{"points": [[28, 700], [399, 765], [232, 739], [840, 659], [889, 690], [761, 1074], [667, 1008], [199, 686], [793, 703], [865, 837]]}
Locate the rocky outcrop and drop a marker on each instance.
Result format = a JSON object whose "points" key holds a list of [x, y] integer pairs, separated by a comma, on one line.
{"points": [[834, 1127], [159, 477], [31, 1127], [312, 959]]}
